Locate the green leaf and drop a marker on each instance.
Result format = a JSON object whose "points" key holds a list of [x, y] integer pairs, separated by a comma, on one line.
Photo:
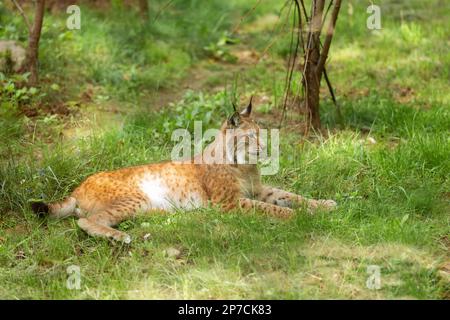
{"points": [[404, 219]]}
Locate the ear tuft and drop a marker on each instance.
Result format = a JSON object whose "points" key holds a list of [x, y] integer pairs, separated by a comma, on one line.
{"points": [[247, 111]]}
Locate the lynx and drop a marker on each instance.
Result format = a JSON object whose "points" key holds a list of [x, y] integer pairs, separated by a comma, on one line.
{"points": [[105, 199]]}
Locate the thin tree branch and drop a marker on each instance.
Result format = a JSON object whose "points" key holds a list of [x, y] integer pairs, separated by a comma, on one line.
{"points": [[304, 10], [282, 28], [329, 36], [163, 8], [235, 29], [326, 12], [293, 57], [333, 97], [22, 13]]}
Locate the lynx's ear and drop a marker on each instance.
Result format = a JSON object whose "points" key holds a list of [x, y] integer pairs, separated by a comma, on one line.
{"points": [[247, 111], [235, 120]]}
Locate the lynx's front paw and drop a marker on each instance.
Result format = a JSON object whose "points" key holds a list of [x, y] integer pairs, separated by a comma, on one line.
{"points": [[327, 205], [122, 237]]}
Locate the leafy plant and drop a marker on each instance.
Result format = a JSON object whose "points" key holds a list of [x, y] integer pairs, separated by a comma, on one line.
{"points": [[219, 50], [14, 93]]}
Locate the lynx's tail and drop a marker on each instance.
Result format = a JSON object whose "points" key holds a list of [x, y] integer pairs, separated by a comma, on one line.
{"points": [[60, 209]]}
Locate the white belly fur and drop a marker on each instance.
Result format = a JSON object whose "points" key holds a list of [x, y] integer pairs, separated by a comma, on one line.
{"points": [[161, 198]]}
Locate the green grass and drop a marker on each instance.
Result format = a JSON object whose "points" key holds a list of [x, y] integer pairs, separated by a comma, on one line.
{"points": [[386, 164]]}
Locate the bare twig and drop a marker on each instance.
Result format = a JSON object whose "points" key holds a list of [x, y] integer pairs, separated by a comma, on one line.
{"points": [[326, 12], [292, 57], [245, 16], [162, 9], [22, 13], [304, 10], [273, 37], [333, 97], [329, 36]]}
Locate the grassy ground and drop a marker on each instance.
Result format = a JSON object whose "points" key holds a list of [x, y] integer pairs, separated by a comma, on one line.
{"points": [[112, 93]]}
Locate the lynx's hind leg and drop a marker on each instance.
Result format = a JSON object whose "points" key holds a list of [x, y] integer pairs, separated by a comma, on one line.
{"points": [[100, 224]]}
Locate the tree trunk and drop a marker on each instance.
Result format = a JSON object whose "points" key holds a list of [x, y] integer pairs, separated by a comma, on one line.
{"points": [[311, 80], [143, 9], [33, 42], [328, 38]]}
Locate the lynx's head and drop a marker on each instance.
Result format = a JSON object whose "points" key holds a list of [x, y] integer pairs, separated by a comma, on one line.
{"points": [[242, 135]]}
